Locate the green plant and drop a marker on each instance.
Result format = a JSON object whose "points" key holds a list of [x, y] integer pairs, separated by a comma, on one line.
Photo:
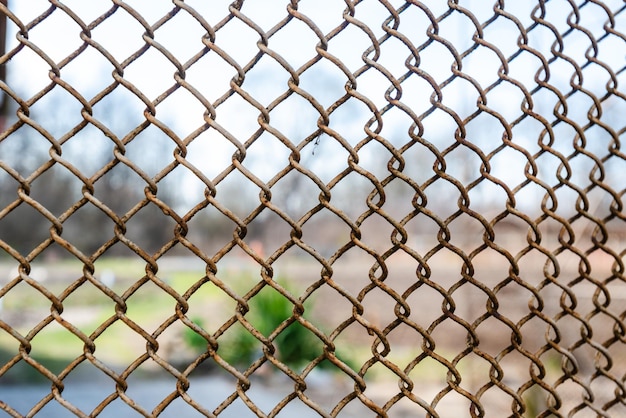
{"points": [[295, 345]]}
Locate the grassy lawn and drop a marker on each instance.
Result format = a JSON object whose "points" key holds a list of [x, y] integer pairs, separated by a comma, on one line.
{"points": [[87, 308], [118, 345]]}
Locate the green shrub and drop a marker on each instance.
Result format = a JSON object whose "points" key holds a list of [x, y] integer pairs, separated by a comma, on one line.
{"points": [[295, 345]]}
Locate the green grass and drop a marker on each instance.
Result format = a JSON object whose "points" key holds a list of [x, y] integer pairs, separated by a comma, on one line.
{"points": [[87, 308]]}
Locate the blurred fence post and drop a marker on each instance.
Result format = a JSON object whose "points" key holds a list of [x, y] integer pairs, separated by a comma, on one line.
{"points": [[4, 103]]}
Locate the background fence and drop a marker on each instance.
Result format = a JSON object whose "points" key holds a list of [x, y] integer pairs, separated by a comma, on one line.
{"points": [[418, 204]]}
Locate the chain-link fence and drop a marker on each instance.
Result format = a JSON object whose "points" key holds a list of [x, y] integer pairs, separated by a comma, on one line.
{"points": [[333, 208]]}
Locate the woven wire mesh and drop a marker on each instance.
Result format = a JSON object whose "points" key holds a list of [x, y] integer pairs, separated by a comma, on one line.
{"points": [[436, 188]]}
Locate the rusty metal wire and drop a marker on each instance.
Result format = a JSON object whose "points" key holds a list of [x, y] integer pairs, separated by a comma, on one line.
{"points": [[482, 270]]}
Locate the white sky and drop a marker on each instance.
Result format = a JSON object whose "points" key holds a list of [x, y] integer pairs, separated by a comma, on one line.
{"points": [[152, 73]]}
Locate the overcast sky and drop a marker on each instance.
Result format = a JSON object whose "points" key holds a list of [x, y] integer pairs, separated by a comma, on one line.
{"points": [[153, 74]]}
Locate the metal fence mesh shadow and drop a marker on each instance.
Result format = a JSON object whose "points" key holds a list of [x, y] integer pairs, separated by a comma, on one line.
{"points": [[418, 203]]}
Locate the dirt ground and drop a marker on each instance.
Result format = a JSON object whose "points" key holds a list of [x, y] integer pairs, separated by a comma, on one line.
{"points": [[444, 306]]}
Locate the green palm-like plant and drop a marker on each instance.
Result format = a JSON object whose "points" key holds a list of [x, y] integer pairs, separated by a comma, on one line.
{"points": [[295, 345]]}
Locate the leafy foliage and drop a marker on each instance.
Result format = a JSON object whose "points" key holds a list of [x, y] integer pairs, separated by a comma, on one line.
{"points": [[295, 345]]}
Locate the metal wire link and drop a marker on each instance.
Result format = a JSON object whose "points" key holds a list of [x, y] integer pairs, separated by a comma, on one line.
{"points": [[480, 265]]}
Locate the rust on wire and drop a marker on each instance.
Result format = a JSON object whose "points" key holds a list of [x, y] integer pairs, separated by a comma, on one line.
{"points": [[442, 213]]}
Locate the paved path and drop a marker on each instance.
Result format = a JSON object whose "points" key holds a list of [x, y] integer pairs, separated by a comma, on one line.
{"points": [[87, 395], [209, 391]]}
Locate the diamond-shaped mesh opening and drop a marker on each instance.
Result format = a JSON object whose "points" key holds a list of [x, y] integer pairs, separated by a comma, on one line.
{"points": [[22, 309], [26, 141], [20, 237], [155, 82], [245, 49], [68, 346], [130, 31], [118, 346], [67, 41], [216, 85], [161, 148], [240, 129]]}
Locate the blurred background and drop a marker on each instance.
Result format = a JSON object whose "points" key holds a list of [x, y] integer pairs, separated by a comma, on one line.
{"points": [[169, 154]]}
